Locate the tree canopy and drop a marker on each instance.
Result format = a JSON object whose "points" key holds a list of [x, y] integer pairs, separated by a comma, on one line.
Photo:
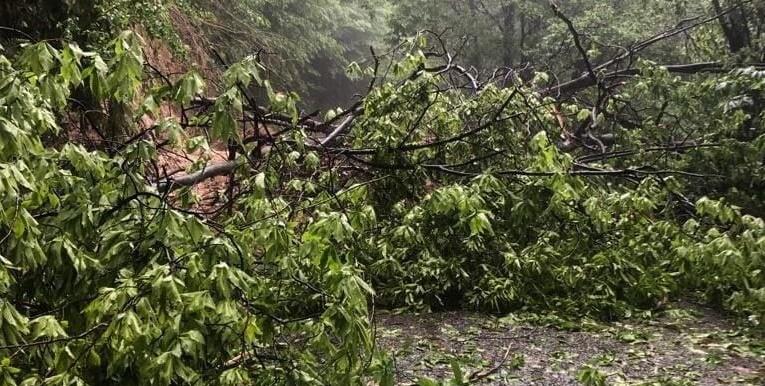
{"points": [[592, 159]]}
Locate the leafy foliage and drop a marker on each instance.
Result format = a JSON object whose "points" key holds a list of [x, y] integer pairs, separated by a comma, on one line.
{"points": [[88, 22], [437, 189], [104, 281], [488, 34]]}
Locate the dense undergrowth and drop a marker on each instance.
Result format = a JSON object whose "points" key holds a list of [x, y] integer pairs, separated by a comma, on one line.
{"points": [[437, 196]]}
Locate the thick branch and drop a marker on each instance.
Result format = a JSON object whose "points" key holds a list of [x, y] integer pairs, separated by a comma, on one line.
{"points": [[339, 130], [586, 80], [192, 179], [577, 40]]}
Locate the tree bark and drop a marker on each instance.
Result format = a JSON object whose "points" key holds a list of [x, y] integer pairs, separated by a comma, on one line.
{"points": [[508, 32], [735, 26]]}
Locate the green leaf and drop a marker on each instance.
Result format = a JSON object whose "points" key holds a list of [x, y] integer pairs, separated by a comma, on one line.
{"points": [[48, 327], [188, 88]]}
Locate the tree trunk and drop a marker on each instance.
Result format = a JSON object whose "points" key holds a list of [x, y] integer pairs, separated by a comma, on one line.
{"points": [[735, 26], [508, 38]]}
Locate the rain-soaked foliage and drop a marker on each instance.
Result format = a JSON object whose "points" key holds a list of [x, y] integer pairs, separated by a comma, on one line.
{"points": [[592, 159]]}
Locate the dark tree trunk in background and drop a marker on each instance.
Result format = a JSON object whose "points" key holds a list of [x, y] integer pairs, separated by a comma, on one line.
{"points": [[759, 25], [735, 26], [508, 34]]}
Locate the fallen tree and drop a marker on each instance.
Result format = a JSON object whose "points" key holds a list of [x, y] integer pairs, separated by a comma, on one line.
{"points": [[435, 190]]}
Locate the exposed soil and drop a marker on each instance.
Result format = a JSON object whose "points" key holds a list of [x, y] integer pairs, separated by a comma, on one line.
{"points": [[685, 346]]}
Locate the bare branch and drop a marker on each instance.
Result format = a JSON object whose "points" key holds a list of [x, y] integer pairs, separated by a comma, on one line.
{"points": [[192, 179]]}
